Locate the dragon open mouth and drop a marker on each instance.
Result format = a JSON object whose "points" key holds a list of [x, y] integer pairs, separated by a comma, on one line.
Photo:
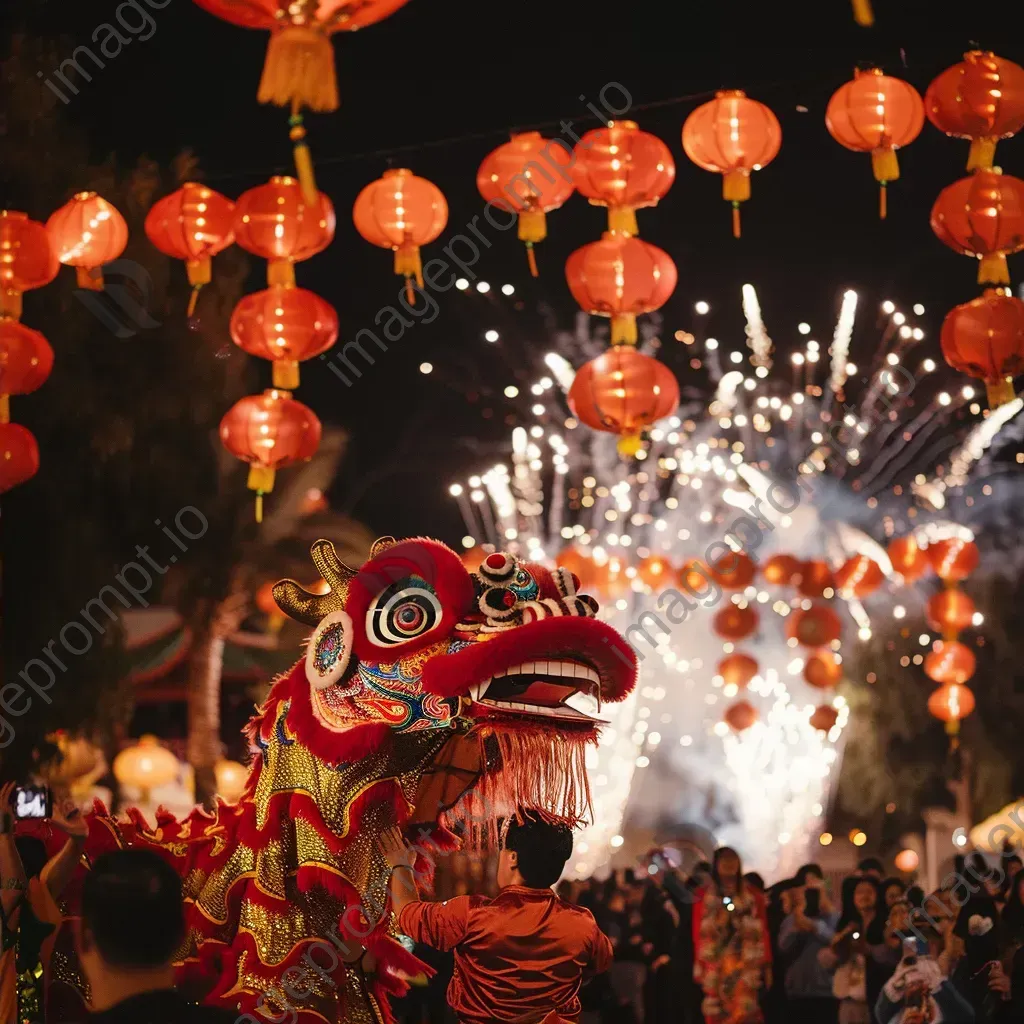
{"points": [[563, 689]]}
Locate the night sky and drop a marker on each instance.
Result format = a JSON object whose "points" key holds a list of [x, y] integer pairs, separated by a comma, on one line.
{"points": [[441, 83]]}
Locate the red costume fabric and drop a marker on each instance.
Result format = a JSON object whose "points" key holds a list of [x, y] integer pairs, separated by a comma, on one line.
{"points": [[519, 957]]}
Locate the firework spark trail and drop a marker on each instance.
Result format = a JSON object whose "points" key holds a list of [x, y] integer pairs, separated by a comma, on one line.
{"points": [[757, 337], [840, 349]]}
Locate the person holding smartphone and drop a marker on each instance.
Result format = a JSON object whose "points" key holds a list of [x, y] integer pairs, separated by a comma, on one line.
{"points": [[29, 888]]}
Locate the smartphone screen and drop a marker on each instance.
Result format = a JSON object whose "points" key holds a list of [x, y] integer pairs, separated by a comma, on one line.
{"points": [[32, 802]]}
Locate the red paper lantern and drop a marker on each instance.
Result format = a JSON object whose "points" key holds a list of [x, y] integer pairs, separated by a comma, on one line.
{"points": [[780, 569], [953, 559], [19, 455], [695, 576], [950, 611], [950, 661], [581, 566], [528, 176], [623, 392], [86, 233], [401, 212], [26, 360], [275, 222], [858, 577], [192, 224], [983, 216], [27, 260], [623, 168], [269, 431], [734, 570], [981, 99], [876, 114], [655, 571], [287, 326], [908, 559], [620, 277], [738, 669], [823, 669], [823, 718], [951, 704], [740, 716], [815, 578], [732, 136], [734, 623], [817, 626], [984, 338]]}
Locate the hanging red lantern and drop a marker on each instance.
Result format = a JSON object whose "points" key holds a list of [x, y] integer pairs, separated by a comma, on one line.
{"points": [[734, 623], [983, 216], [620, 277], [981, 99], [734, 570], [817, 626], [27, 260], [858, 577], [86, 233], [953, 559], [740, 716], [623, 168], [695, 577], [580, 565], [528, 176], [26, 360], [823, 669], [401, 212], [192, 224], [950, 611], [815, 579], [269, 431], [823, 718], [908, 558], [876, 114], [19, 455], [623, 392], [984, 338], [738, 670], [287, 326], [275, 222], [951, 704], [732, 135], [780, 569], [655, 571], [950, 661]]}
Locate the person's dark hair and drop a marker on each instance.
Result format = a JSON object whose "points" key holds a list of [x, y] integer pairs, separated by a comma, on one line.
{"points": [[1013, 912], [800, 878], [871, 864], [754, 880], [915, 896], [132, 908], [716, 859], [32, 852], [542, 849], [891, 883], [849, 914]]}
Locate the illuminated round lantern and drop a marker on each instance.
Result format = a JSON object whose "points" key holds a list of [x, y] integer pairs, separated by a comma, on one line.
{"points": [[620, 277], [734, 623], [695, 577], [738, 670], [527, 176], [984, 338], [285, 325], [275, 222], [906, 861], [623, 168], [268, 606], [780, 569], [950, 661], [231, 778], [817, 626], [192, 224], [908, 558], [823, 669], [950, 611], [401, 212], [145, 766], [19, 455], [734, 570], [580, 565], [623, 392], [655, 571], [951, 704], [86, 233], [269, 431], [815, 578], [732, 135], [983, 216], [953, 559], [26, 360], [823, 718], [876, 114], [740, 716], [27, 260], [981, 99], [858, 577]]}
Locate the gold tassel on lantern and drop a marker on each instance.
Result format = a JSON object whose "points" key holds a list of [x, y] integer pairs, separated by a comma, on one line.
{"points": [[303, 159], [89, 278], [886, 168], [199, 272], [736, 190], [10, 304], [5, 408], [300, 70], [862, 13], [261, 480], [1000, 392], [629, 445], [993, 269], [409, 266], [286, 374], [624, 329], [280, 274], [623, 220], [982, 154], [533, 228]]}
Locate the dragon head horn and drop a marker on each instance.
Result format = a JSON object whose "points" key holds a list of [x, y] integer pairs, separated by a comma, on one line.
{"points": [[299, 604]]}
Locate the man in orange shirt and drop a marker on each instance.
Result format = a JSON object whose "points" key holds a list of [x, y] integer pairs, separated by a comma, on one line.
{"points": [[520, 957]]}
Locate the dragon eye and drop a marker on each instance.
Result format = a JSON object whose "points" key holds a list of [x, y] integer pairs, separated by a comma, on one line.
{"points": [[405, 610]]}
